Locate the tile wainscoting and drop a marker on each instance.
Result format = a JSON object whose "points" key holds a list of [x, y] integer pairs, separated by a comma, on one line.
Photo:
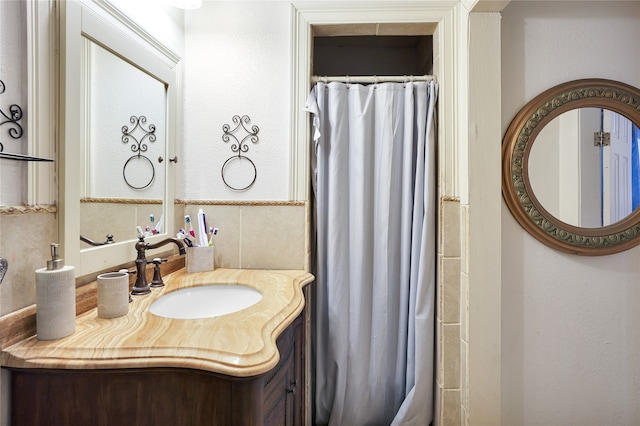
{"points": [[449, 347], [256, 234]]}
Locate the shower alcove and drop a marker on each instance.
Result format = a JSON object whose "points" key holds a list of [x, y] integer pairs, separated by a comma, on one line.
{"points": [[465, 59], [372, 50], [370, 53]]}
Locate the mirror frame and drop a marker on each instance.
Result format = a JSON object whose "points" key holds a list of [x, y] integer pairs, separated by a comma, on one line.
{"points": [[79, 21], [516, 147]]}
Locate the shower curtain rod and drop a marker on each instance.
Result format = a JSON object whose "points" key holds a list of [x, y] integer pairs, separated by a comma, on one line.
{"points": [[371, 78]]}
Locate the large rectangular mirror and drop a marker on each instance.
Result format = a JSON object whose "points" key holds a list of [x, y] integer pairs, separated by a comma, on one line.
{"points": [[119, 114]]}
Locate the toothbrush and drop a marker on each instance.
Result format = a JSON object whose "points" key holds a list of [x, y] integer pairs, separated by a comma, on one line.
{"points": [[213, 231], [158, 227], [152, 219], [202, 228], [182, 236], [187, 220]]}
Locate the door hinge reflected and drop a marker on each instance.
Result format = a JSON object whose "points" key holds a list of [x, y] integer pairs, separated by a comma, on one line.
{"points": [[601, 138]]}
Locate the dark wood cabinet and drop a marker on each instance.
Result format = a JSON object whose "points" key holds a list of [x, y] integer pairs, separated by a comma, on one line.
{"points": [[165, 396]]}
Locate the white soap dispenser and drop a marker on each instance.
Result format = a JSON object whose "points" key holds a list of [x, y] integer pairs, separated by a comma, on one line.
{"points": [[55, 299]]}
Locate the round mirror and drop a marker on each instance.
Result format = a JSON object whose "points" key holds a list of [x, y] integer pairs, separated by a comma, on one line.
{"points": [[577, 188]]}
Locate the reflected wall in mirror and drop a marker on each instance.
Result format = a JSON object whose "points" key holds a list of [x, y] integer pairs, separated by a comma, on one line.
{"points": [[568, 189], [119, 109], [124, 148]]}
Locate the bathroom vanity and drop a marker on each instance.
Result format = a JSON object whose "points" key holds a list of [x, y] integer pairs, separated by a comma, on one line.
{"points": [[244, 368]]}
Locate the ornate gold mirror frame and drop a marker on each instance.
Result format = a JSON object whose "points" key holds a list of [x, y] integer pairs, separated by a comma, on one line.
{"points": [[516, 147]]}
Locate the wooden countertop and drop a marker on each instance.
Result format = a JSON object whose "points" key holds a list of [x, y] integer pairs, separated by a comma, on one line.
{"points": [[240, 344]]}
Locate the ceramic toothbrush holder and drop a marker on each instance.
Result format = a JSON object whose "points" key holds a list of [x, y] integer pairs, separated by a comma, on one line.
{"points": [[199, 259]]}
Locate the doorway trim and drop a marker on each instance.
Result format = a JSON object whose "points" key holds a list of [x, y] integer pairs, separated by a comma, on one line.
{"points": [[450, 19], [306, 14]]}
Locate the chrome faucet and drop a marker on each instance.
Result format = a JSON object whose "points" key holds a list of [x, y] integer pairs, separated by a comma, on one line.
{"points": [[141, 286], [89, 241]]}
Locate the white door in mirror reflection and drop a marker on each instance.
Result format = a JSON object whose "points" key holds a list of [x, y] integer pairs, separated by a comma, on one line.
{"points": [[577, 182], [616, 168]]}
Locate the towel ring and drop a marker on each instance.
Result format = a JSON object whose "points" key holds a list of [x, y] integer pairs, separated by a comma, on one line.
{"points": [[239, 136], [239, 158], [138, 145], [128, 181]]}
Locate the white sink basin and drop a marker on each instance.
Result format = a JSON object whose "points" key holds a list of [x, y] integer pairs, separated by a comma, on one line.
{"points": [[205, 301]]}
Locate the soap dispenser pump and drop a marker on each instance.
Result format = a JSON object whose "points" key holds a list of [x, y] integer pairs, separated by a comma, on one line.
{"points": [[55, 298], [55, 262]]}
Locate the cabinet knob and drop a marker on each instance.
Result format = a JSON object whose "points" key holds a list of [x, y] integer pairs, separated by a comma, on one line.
{"points": [[292, 389]]}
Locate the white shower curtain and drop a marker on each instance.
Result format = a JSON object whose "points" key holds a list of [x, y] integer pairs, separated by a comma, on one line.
{"points": [[374, 182]]}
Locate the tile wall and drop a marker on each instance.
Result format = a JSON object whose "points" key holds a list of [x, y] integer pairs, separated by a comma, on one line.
{"points": [[123, 217], [464, 316], [449, 347], [256, 235], [253, 235], [25, 235]]}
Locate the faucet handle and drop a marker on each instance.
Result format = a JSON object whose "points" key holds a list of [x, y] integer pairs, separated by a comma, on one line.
{"points": [[157, 278], [126, 271]]}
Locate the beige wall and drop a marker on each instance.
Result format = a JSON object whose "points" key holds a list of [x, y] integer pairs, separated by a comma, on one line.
{"points": [[24, 242], [570, 340]]}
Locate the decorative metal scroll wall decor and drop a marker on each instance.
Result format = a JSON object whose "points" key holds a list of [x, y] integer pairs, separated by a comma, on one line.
{"points": [[15, 131], [516, 186], [241, 134], [138, 146]]}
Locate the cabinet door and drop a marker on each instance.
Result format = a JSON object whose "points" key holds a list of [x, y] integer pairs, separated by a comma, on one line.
{"points": [[282, 389], [278, 407], [298, 381]]}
